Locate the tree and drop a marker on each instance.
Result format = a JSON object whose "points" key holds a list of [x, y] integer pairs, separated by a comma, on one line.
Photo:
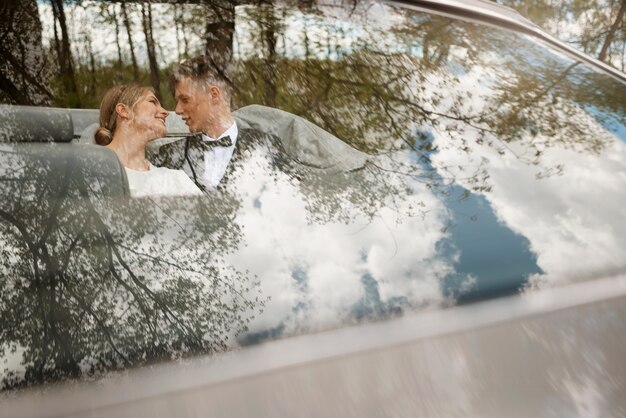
{"points": [[146, 20], [596, 27], [131, 45], [181, 32], [110, 16], [24, 73], [610, 36], [219, 31], [64, 55]]}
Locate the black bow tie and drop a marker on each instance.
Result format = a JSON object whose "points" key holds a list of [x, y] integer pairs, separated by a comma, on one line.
{"points": [[197, 141]]}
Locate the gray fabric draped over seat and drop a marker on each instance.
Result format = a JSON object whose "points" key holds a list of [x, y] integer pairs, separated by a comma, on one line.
{"points": [[304, 141]]}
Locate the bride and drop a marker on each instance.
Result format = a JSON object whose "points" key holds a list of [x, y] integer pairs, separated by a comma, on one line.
{"points": [[130, 117]]}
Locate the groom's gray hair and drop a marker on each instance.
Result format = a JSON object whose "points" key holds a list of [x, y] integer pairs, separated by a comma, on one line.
{"points": [[205, 72]]}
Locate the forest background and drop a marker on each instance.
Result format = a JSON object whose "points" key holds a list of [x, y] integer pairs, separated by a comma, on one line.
{"points": [[66, 53]]}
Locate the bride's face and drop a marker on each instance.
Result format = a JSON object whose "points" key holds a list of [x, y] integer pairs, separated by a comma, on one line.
{"points": [[149, 116]]}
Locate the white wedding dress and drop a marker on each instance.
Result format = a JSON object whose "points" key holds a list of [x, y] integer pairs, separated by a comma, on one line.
{"points": [[160, 181]]}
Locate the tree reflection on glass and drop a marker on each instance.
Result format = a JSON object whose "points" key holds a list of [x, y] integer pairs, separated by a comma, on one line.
{"points": [[382, 90], [89, 285]]}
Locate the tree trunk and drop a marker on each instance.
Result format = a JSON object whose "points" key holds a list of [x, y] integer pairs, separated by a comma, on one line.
{"points": [[270, 37], [57, 43], [619, 20], [120, 60], [92, 66], [307, 42], [23, 78], [155, 79], [181, 33], [219, 33], [66, 66], [133, 58], [177, 22], [623, 55]]}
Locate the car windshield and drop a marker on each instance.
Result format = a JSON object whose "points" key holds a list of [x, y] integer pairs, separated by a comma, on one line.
{"points": [[397, 161]]}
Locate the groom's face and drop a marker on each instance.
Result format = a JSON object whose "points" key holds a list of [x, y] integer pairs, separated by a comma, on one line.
{"points": [[193, 103]]}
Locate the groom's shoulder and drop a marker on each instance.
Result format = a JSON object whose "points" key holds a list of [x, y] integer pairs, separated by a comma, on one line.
{"points": [[168, 152]]}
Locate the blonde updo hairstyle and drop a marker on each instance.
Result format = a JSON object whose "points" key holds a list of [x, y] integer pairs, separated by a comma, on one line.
{"points": [[125, 94]]}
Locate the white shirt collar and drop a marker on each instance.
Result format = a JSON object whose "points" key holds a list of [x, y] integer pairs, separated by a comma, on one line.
{"points": [[216, 159], [232, 131]]}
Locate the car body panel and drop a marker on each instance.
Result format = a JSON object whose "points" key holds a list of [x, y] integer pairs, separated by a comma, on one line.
{"points": [[496, 358]]}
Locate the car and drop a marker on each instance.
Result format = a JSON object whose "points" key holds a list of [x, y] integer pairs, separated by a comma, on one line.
{"points": [[437, 227]]}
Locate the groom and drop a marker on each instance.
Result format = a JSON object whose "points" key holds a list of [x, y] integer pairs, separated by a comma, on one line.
{"points": [[203, 101]]}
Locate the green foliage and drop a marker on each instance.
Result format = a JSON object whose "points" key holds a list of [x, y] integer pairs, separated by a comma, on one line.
{"points": [[584, 23], [105, 77]]}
